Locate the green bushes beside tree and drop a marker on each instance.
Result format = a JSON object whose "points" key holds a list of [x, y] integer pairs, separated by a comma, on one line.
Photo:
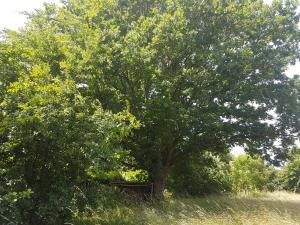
{"points": [[202, 174], [50, 137], [289, 176], [249, 174], [209, 173]]}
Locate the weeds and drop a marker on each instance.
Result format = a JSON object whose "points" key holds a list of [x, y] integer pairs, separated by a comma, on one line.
{"points": [[279, 208]]}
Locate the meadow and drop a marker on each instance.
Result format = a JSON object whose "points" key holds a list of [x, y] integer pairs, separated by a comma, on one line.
{"points": [[277, 208]]}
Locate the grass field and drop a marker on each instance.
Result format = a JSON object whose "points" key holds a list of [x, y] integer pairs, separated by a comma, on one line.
{"points": [[277, 208]]}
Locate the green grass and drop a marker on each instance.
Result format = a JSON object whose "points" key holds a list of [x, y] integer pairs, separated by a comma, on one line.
{"points": [[277, 208]]}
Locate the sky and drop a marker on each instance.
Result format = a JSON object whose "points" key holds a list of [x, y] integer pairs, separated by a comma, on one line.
{"points": [[10, 11], [11, 17]]}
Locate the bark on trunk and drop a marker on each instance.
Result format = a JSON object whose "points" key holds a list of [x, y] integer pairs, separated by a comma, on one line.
{"points": [[160, 182]]}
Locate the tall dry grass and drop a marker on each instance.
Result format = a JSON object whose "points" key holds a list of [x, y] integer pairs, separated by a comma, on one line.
{"points": [[278, 208]]}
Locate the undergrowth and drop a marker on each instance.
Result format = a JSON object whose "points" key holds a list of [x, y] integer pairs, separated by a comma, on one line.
{"points": [[278, 208]]}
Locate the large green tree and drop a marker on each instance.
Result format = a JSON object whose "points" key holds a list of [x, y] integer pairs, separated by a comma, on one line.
{"points": [[198, 75]]}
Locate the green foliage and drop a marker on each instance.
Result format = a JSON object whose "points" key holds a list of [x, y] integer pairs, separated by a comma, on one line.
{"points": [[289, 176], [50, 137], [198, 75], [136, 176], [201, 174], [195, 77], [105, 176], [249, 174]]}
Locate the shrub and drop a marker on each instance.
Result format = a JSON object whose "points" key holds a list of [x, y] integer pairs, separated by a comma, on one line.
{"points": [[249, 174], [201, 174], [50, 137], [289, 176], [136, 176]]}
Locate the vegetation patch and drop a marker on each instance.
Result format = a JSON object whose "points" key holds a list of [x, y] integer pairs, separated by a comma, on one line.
{"points": [[278, 208]]}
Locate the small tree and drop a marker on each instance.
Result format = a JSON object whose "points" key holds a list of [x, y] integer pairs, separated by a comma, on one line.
{"points": [[249, 174]]}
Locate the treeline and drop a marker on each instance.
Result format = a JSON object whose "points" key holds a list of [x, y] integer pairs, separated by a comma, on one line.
{"points": [[215, 174], [155, 91]]}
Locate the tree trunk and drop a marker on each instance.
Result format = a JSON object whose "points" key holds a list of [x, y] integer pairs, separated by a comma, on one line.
{"points": [[159, 182]]}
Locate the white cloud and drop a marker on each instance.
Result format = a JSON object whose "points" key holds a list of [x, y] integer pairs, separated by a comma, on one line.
{"points": [[11, 11]]}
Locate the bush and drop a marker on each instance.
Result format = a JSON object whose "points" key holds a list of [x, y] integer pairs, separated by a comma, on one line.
{"points": [[50, 137], [201, 174], [249, 174], [289, 176], [136, 176]]}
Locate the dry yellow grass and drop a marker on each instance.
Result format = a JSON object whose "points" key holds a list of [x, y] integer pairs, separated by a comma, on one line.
{"points": [[279, 208]]}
